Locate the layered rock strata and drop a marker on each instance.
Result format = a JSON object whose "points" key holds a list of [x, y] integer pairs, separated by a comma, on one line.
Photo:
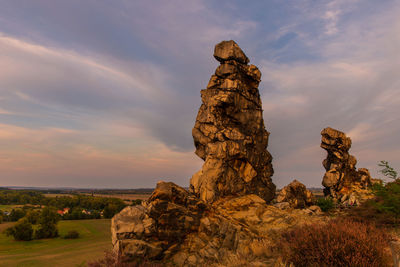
{"points": [[296, 194], [342, 181], [229, 132]]}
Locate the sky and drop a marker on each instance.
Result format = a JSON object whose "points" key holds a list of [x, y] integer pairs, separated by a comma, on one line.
{"points": [[104, 94]]}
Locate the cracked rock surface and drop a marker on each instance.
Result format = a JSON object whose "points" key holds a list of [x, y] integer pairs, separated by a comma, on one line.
{"points": [[342, 181], [229, 132]]}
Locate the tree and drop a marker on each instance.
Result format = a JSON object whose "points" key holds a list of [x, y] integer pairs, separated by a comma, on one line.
{"points": [[33, 216], [22, 230], [387, 170], [388, 195], [110, 210], [16, 214], [47, 224]]}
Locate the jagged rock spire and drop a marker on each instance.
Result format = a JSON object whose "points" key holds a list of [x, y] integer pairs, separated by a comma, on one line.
{"points": [[229, 133]]}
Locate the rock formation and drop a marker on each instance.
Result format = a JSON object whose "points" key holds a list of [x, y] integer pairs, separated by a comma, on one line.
{"points": [[296, 194], [154, 229], [229, 133], [342, 181], [224, 219], [177, 228]]}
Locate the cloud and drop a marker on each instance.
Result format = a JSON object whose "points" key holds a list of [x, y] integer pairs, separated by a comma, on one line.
{"points": [[355, 92], [75, 96]]}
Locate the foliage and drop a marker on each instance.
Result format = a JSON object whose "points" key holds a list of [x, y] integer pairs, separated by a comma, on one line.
{"points": [[59, 251], [110, 210], [368, 212], [22, 230], [339, 242], [72, 234], [22, 197], [33, 216], [77, 202], [16, 214], [111, 259], [326, 204], [387, 170], [47, 224], [388, 198]]}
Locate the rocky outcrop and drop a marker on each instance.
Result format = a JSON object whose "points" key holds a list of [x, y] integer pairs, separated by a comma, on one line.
{"points": [[229, 133], [296, 194], [224, 219], [157, 227], [177, 228], [342, 181]]}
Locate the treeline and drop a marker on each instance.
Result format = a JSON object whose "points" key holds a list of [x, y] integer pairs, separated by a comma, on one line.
{"points": [[79, 206], [10, 197]]}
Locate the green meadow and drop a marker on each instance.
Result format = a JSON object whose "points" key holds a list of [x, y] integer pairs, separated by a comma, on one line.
{"points": [[95, 238]]}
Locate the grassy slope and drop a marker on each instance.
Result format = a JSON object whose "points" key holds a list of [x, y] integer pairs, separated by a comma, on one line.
{"points": [[95, 238]]}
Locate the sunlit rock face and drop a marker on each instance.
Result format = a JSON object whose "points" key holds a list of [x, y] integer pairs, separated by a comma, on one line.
{"points": [[229, 132], [342, 181], [297, 195], [155, 229]]}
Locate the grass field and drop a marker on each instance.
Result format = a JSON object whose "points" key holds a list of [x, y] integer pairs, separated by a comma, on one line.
{"points": [[95, 239]]}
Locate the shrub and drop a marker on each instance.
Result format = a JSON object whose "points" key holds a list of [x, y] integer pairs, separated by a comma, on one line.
{"points": [[21, 231], [388, 198], [73, 234], [326, 204], [339, 242], [368, 212]]}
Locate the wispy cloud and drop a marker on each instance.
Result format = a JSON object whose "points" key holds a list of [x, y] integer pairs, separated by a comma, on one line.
{"points": [[75, 96]]}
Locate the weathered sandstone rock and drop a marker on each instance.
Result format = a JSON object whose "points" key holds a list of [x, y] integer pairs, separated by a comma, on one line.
{"points": [[342, 181], [178, 229], [159, 225], [296, 194], [225, 219], [229, 133]]}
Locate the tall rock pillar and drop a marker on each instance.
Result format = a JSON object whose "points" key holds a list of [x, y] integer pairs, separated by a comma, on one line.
{"points": [[342, 181], [229, 133]]}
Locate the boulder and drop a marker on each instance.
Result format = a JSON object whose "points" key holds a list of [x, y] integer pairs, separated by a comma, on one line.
{"points": [[342, 181], [229, 132], [296, 194]]}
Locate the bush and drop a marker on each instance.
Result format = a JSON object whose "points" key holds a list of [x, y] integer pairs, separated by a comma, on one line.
{"points": [[326, 204], [73, 234], [368, 212], [337, 243], [21, 231], [388, 198]]}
